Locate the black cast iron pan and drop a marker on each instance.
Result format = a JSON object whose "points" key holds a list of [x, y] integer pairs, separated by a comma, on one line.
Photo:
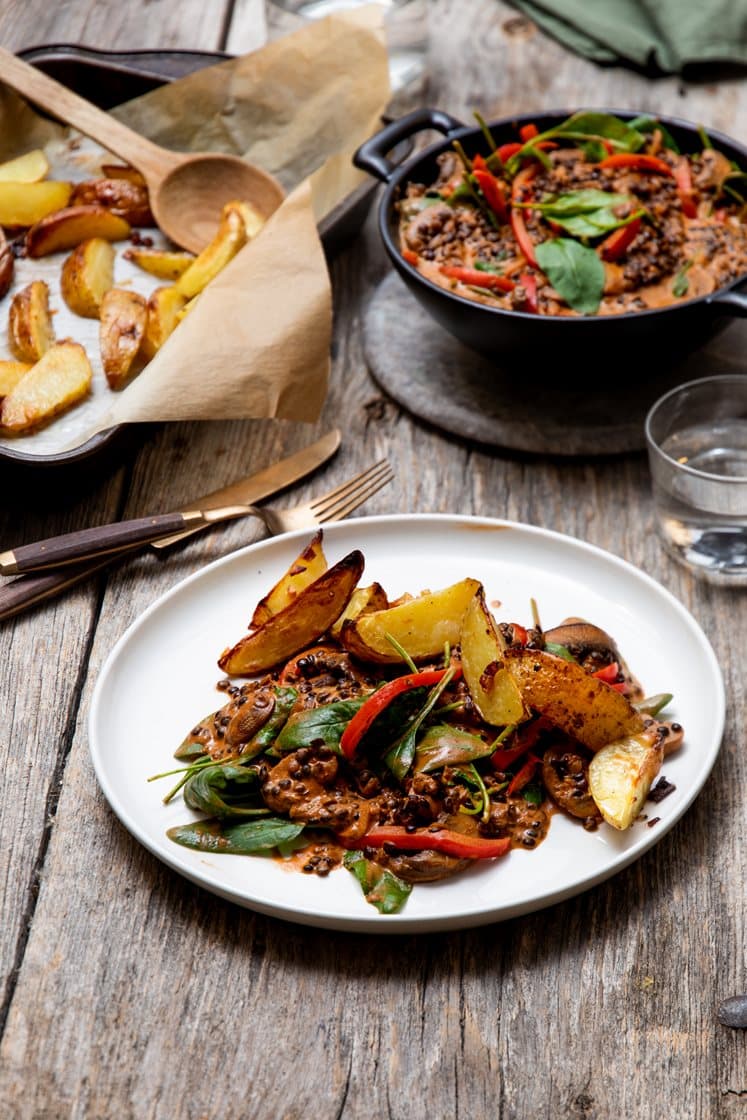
{"points": [[590, 345]]}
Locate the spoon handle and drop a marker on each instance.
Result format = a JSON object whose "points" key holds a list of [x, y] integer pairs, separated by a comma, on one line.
{"points": [[62, 103]]}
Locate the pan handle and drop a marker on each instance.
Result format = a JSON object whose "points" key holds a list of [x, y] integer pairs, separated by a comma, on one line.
{"points": [[733, 303], [371, 156]]}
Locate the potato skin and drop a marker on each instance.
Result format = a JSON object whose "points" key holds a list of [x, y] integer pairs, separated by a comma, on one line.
{"points": [[58, 380], [307, 567], [300, 624], [64, 229], [30, 330], [124, 317], [123, 197], [87, 275], [7, 266]]}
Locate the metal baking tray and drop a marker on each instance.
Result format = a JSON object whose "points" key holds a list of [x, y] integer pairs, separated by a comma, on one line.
{"points": [[108, 78]]}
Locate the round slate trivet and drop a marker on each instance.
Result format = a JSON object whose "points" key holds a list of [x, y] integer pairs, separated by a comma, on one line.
{"points": [[435, 377]]}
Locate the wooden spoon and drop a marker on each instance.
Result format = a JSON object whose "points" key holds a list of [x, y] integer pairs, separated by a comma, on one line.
{"points": [[187, 191]]}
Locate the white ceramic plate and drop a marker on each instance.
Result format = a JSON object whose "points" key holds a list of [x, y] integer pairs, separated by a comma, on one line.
{"points": [[160, 679]]}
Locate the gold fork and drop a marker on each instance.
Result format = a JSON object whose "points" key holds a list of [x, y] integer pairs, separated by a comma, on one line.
{"points": [[120, 536], [28, 590]]}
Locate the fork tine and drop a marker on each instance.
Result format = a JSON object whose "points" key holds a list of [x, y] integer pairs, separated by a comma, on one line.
{"points": [[350, 502], [350, 486]]}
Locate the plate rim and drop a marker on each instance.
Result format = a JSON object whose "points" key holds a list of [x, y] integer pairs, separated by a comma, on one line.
{"points": [[401, 923]]}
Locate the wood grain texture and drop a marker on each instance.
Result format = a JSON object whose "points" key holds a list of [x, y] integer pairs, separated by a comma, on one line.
{"points": [[176, 1004]]}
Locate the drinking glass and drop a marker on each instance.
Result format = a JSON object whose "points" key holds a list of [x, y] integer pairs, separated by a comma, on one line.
{"points": [[697, 446]]}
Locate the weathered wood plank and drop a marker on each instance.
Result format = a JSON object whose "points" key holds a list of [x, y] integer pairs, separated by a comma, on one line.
{"points": [[136, 25], [177, 1004]]}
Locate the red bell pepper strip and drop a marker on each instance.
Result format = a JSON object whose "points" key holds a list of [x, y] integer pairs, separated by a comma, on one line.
{"points": [[518, 225], [410, 256], [440, 840], [520, 633], [526, 738], [492, 190], [528, 132], [478, 279], [684, 180], [636, 163], [524, 776], [528, 282], [609, 674], [615, 245], [381, 699], [478, 163], [507, 150]]}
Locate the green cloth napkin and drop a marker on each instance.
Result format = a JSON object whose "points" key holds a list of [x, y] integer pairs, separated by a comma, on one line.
{"points": [[661, 35]]}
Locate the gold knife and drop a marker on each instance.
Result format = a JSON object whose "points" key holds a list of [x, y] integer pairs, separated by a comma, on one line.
{"points": [[27, 590]]}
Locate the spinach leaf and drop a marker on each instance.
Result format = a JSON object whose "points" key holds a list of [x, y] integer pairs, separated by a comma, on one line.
{"points": [[388, 726], [585, 213], [381, 887], [594, 151], [559, 651], [190, 750], [603, 126], [652, 705], [443, 745], [237, 839], [681, 282], [532, 793], [318, 725], [650, 124], [223, 790], [490, 266], [402, 755], [576, 273]]}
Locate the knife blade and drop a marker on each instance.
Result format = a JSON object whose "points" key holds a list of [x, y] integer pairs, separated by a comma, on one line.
{"points": [[26, 591]]}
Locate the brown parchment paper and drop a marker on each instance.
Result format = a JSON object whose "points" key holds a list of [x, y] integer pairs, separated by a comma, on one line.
{"points": [[256, 343]]}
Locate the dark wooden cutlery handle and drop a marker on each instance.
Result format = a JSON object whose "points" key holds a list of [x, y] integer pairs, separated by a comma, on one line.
{"points": [[89, 543], [24, 592]]}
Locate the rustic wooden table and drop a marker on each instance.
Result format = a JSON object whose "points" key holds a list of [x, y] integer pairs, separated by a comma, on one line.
{"points": [[128, 992]]}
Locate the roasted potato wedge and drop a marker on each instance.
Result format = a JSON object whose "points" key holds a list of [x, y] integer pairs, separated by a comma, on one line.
{"points": [[31, 167], [253, 220], [421, 626], [66, 228], [364, 600], [122, 171], [164, 306], [307, 567], [188, 306], [10, 374], [7, 265], [231, 237], [59, 379], [30, 330], [166, 264], [620, 777], [122, 197], [87, 275], [494, 691], [579, 704], [124, 317], [309, 616], [23, 204]]}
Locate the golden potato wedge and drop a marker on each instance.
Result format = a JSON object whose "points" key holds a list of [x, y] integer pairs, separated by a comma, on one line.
{"points": [[364, 600], [31, 167], [304, 621], [7, 265], [308, 566], [166, 264], [579, 704], [188, 306], [87, 275], [422, 626], [122, 171], [57, 381], [30, 330], [494, 691], [124, 316], [164, 306], [23, 204], [231, 237], [620, 777], [122, 197], [252, 219], [67, 228], [10, 374]]}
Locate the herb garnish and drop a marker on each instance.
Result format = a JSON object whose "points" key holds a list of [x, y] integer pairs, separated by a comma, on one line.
{"points": [[575, 271]]}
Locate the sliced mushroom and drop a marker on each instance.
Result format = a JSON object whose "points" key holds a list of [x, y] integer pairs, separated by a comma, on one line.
{"points": [[565, 775], [251, 716]]}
